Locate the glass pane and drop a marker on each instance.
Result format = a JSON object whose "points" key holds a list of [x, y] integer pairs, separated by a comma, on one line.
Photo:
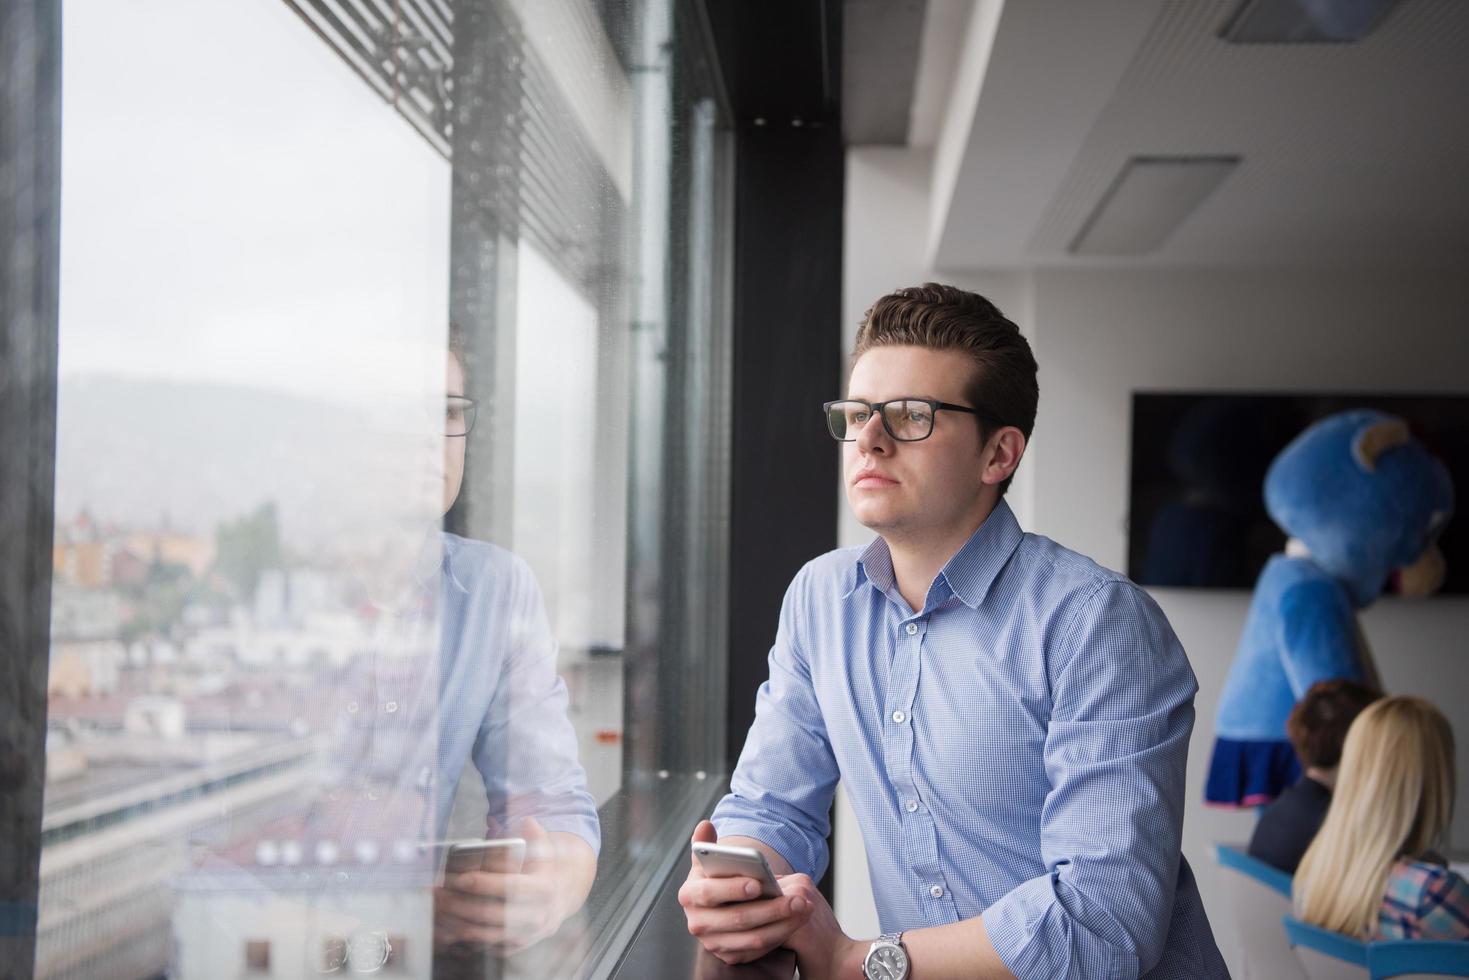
{"points": [[390, 498]]}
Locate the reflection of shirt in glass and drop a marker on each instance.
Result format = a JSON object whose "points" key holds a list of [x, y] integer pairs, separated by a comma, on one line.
{"points": [[1015, 749], [484, 690], [1287, 826]]}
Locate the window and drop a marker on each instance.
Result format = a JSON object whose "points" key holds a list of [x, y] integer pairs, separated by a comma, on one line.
{"points": [[389, 500], [257, 956]]}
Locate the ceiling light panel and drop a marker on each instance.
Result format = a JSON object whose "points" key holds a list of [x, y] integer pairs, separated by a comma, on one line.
{"points": [[1148, 201], [1305, 21]]}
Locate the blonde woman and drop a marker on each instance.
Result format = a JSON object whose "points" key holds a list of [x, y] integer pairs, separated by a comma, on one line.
{"points": [[1370, 872]]}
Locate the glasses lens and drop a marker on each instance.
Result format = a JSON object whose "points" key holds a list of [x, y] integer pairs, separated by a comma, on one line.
{"points": [[908, 421], [843, 419], [458, 415]]}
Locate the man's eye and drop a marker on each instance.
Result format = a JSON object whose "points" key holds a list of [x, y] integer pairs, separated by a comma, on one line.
{"points": [[861, 417], [917, 416]]}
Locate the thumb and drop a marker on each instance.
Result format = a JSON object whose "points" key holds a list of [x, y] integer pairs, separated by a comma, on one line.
{"points": [[539, 851], [704, 833]]}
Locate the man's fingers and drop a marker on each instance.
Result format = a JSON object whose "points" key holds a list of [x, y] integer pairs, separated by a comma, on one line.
{"points": [[710, 892], [471, 911], [751, 943], [462, 915], [489, 884], [751, 915]]}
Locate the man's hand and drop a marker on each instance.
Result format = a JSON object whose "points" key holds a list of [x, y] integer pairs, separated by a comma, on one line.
{"points": [[499, 911], [729, 919], [822, 950]]}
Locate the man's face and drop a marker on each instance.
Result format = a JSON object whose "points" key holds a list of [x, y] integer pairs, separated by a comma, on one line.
{"points": [[925, 488], [453, 445]]}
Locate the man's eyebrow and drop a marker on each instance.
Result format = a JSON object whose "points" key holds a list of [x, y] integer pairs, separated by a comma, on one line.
{"points": [[897, 398]]}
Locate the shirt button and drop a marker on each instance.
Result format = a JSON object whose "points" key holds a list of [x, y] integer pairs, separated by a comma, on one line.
{"points": [[351, 707], [912, 806], [912, 628], [899, 717], [391, 707], [937, 891]]}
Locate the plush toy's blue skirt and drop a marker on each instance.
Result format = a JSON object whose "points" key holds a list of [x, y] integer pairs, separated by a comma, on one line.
{"points": [[1250, 773]]}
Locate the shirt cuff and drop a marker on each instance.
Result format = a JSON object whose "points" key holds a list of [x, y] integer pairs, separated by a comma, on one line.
{"points": [[584, 827], [1038, 939], [788, 843]]}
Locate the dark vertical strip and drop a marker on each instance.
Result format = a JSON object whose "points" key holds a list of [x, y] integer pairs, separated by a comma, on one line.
{"points": [[789, 175], [787, 361], [30, 208], [484, 207]]}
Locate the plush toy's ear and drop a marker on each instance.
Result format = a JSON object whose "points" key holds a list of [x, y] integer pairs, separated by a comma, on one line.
{"points": [[1377, 439]]}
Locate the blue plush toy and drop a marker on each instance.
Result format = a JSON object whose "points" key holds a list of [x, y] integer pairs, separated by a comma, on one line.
{"points": [[1363, 504]]}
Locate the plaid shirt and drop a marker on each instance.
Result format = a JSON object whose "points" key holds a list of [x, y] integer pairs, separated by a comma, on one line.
{"points": [[1424, 901]]}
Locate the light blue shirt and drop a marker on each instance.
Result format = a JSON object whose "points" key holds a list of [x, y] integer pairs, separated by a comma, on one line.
{"points": [[1015, 749], [471, 679]]}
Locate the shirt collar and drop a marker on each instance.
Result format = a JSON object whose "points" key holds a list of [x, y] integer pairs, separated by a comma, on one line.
{"points": [[969, 574], [439, 558]]}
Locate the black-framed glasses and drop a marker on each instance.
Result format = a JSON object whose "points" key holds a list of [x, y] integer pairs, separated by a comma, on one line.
{"points": [[906, 419], [459, 413]]}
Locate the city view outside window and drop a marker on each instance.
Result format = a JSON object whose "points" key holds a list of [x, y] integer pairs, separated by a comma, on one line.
{"points": [[391, 413]]}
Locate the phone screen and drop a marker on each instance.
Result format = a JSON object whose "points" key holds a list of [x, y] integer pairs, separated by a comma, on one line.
{"points": [[506, 856]]}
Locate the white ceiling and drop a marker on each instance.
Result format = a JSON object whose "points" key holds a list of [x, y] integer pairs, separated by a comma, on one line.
{"points": [[1351, 153]]}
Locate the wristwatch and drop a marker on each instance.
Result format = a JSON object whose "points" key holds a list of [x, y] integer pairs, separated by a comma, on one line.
{"points": [[886, 959]]}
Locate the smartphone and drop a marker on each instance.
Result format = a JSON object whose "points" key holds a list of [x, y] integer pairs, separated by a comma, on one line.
{"points": [[503, 856], [728, 861]]}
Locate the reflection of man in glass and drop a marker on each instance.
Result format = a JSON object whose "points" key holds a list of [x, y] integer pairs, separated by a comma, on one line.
{"points": [[455, 666], [502, 705]]}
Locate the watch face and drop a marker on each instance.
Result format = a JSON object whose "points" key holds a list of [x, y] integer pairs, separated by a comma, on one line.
{"points": [[886, 963], [368, 951]]}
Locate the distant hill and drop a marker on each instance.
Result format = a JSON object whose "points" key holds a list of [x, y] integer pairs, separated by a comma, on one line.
{"points": [[134, 451]]}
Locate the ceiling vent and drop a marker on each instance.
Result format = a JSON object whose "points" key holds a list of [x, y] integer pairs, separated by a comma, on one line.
{"points": [[1148, 200], [1304, 21]]}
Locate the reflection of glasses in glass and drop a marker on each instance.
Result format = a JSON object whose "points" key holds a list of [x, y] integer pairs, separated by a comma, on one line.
{"points": [[459, 415], [906, 419]]}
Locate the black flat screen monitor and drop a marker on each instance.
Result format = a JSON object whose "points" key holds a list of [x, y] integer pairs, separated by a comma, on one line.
{"points": [[1197, 511]]}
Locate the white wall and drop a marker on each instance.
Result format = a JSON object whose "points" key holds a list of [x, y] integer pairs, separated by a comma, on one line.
{"points": [[1099, 335]]}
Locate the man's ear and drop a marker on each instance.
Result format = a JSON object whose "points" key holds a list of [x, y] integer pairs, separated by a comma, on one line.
{"points": [[1004, 451]]}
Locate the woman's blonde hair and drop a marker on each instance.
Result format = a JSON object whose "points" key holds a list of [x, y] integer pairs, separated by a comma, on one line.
{"points": [[1394, 797]]}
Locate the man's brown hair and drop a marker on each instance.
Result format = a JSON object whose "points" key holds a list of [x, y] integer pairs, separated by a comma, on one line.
{"points": [[1317, 726], [942, 317]]}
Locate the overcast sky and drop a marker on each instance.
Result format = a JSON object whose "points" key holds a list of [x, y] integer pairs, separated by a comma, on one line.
{"points": [[239, 206]]}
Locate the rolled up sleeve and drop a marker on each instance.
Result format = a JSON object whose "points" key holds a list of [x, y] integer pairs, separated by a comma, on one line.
{"points": [[1111, 825], [526, 749], [781, 790]]}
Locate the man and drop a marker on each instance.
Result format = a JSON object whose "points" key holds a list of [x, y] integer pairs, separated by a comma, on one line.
{"points": [[503, 707], [466, 673], [1010, 720]]}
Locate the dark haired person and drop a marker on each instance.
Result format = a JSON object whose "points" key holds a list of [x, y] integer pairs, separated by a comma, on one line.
{"points": [[468, 676], [1317, 727], [1009, 719]]}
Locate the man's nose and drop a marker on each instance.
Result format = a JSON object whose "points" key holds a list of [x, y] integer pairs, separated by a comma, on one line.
{"points": [[873, 436]]}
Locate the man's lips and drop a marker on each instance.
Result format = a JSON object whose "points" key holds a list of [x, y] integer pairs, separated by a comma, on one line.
{"points": [[873, 480]]}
